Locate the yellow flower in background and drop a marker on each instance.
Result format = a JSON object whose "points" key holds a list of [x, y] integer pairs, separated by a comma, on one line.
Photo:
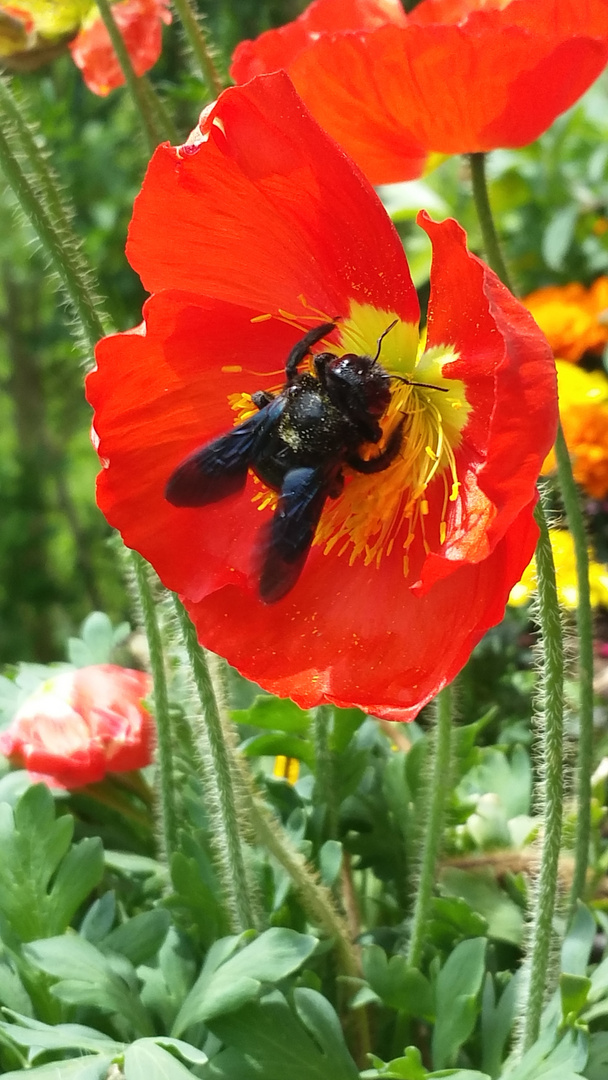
{"points": [[565, 569], [583, 408], [286, 768], [52, 18], [574, 319]]}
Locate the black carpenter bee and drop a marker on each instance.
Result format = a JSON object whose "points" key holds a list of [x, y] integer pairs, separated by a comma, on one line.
{"points": [[297, 443]]}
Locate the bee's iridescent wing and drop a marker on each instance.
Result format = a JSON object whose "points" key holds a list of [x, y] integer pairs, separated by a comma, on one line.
{"points": [[219, 469], [284, 543]]}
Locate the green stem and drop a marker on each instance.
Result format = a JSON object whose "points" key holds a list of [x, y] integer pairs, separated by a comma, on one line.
{"points": [[36, 159], [143, 98], [584, 622], [168, 808], [484, 216], [219, 777], [325, 784], [198, 43], [166, 126], [65, 261], [550, 725], [432, 821]]}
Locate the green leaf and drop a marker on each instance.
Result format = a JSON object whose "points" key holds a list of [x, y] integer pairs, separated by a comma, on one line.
{"points": [[330, 862], [485, 896], [558, 236], [99, 919], [96, 642], [399, 986], [267, 1039], [239, 977], [597, 1063], [276, 714], [13, 994], [42, 1037], [344, 725], [456, 992], [408, 1067], [574, 991], [578, 941], [79, 873], [551, 1060], [496, 1022], [35, 851], [93, 1067], [87, 977], [139, 938], [146, 1060], [278, 742]]}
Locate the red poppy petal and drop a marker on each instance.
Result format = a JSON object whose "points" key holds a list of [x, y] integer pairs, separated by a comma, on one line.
{"points": [[506, 365], [363, 649], [268, 190], [276, 49]]}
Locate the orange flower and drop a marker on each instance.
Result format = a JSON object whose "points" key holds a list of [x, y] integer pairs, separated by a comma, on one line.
{"points": [[574, 319], [82, 724], [583, 407]]}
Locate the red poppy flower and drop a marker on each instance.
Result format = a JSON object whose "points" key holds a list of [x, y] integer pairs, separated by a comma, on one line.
{"points": [[82, 724], [453, 76], [258, 230], [140, 23]]}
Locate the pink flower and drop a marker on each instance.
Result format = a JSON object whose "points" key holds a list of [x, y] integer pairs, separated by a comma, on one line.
{"points": [[82, 724]]}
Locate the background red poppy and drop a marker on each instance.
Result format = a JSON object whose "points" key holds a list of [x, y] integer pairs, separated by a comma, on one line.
{"points": [[453, 76]]}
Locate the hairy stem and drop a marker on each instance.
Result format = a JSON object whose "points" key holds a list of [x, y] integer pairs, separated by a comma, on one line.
{"points": [[223, 806], [550, 734], [197, 40], [168, 808], [64, 259], [432, 822], [584, 624]]}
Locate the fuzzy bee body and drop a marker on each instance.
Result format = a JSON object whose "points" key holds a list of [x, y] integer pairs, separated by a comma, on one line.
{"points": [[297, 443]]}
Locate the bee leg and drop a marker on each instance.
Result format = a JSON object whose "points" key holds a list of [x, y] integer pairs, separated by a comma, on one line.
{"points": [[262, 398], [380, 461], [303, 347]]}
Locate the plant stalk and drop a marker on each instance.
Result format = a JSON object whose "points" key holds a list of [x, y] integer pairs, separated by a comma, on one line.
{"points": [[550, 734], [485, 218], [432, 822], [197, 40], [219, 780], [584, 623], [65, 261], [168, 807]]}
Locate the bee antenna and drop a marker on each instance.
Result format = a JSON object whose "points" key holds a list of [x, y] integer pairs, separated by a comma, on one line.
{"points": [[382, 336], [412, 382]]}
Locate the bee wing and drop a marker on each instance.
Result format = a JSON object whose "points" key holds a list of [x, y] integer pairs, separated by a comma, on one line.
{"points": [[219, 469], [285, 542]]}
